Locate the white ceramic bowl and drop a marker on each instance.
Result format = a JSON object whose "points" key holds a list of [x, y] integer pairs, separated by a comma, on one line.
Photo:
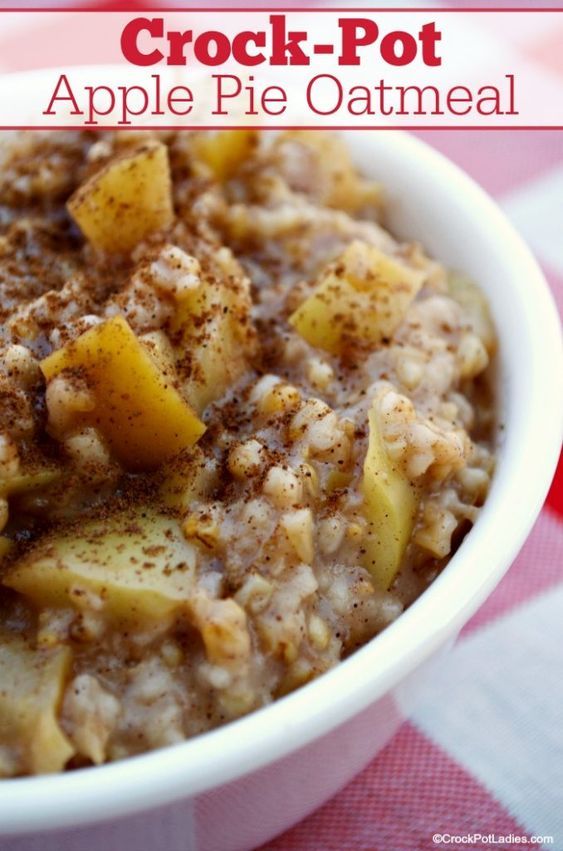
{"points": [[240, 785]]}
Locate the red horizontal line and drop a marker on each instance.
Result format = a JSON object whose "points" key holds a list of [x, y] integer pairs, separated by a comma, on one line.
{"points": [[101, 128], [247, 9]]}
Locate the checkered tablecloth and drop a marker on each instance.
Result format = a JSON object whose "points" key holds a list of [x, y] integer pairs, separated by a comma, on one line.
{"points": [[483, 752]]}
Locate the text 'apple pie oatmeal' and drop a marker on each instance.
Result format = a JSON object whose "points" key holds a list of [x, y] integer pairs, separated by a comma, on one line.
{"points": [[242, 427]]}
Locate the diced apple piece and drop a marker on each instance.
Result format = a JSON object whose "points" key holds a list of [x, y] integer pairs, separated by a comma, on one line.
{"points": [[212, 338], [6, 545], [160, 351], [361, 298], [476, 307], [191, 477], [325, 170], [224, 151], [31, 689], [140, 413], [338, 479], [28, 481], [137, 563], [127, 200], [390, 504]]}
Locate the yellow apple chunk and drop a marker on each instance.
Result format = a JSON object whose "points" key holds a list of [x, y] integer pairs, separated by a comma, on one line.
{"points": [[331, 171], [188, 479], [136, 565], [140, 413], [361, 298], [476, 308], [210, 326], [390, 503], [31, 689], [223, 151], [127, 200], [6, 545], [28, 481]]}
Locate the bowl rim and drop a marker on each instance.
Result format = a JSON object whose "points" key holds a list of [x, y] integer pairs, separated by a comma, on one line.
{"points": [[212, 759]]}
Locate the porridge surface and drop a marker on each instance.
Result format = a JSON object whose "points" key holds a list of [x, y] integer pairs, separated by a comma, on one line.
{"points": [[242, 427]]}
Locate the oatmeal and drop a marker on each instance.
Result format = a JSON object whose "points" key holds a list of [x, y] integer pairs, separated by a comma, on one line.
{"points": [[242, 427]]}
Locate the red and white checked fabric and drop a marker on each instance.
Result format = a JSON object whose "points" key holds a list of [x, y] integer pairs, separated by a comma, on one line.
{"points": [[484, 751]]}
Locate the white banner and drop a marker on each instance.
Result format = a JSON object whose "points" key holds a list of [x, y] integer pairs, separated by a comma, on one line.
{"points": [[325, 67]]}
